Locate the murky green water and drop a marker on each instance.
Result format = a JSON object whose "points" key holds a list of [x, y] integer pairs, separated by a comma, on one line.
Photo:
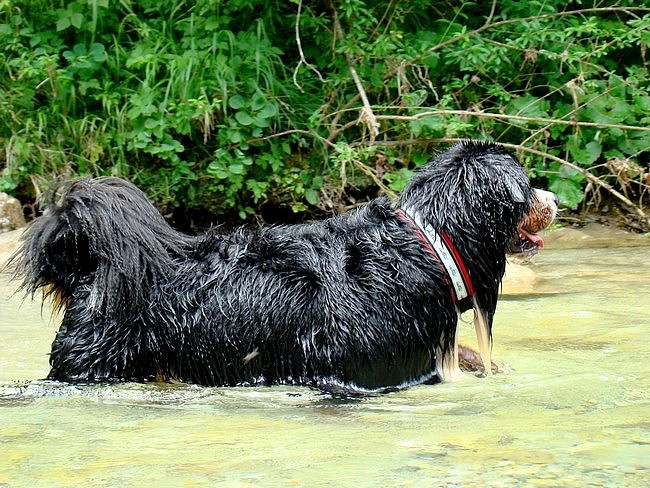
{"points": [[572, 408]]}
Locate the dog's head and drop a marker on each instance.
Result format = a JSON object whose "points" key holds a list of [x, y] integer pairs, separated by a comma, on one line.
{"points": [[540, 215], [479, 194]]}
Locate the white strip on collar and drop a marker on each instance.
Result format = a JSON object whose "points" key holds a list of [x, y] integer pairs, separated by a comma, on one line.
{"points": [[445, 254]]}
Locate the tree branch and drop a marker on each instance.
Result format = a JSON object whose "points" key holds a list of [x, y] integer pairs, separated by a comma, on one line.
{"points": [[520, 118], [367, 116], [302, 54], [489, 25], [637, 210]]}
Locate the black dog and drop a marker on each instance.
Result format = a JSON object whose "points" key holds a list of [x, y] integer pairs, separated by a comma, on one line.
{"points": [[366, 301]]}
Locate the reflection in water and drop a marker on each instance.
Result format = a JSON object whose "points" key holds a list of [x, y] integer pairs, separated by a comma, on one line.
{"points": [[571, 409]]}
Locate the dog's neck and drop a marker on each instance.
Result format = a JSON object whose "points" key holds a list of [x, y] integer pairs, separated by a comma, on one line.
{"points": [[440, 246]]}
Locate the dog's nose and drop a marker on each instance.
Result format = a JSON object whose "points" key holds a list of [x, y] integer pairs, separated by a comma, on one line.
{"points": [[555, 200]]}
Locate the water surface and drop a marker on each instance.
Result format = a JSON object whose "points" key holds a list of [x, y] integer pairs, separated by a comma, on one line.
{"points": [[572, 407]]}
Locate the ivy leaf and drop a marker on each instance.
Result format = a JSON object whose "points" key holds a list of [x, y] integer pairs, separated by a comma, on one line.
{"points": [[261, 121], [236, 168], [62, 24], [76, 19], [267, 111], [258, 102]]}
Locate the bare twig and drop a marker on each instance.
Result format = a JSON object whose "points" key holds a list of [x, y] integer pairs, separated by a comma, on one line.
{"points": [[303, 60], [589, 176], [367, 116], [489, 25], [637, 210], [491, 16], [520, 118]]}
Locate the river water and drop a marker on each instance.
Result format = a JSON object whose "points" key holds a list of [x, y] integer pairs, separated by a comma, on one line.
{"points": [[571, 407]]}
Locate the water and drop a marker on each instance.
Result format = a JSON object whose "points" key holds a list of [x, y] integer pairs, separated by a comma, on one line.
{"points": [[571, 409]]}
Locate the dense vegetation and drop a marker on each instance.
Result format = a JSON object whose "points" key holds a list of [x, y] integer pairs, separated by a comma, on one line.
{"points": [[236, 106]]}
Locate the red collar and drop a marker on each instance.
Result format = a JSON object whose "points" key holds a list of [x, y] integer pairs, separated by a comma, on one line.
{"points": [[440, 246]]}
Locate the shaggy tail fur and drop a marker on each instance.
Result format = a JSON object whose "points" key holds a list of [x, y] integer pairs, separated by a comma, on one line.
{"points": [[104, 235]]}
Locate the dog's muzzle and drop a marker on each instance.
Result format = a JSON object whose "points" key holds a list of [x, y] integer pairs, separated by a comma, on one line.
{"points": [[541, 214]]}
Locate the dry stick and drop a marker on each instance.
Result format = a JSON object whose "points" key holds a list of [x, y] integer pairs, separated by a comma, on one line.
{"points": [[491, 16], [489, 25], [334, 131], [303, 60], [518, 147], [592, 178], [488, 115], [367, 115], [572, 112]]}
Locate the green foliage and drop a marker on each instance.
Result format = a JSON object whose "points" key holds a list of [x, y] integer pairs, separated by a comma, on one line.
{"points": [[216, 105]]}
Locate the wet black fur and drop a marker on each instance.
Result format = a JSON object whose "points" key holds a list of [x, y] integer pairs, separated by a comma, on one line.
{"points": [[353, 300]]}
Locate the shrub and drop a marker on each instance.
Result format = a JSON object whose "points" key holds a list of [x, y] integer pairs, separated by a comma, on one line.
{"points": [[227, 106]]}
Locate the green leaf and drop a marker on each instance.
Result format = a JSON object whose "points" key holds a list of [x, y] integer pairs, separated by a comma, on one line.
{"points": [[151, 123], [63, 23], [431, 61], [419, 158], [584, 155], [236, 168], [530, 106], [215, 169], [243, 118], [311, 196], [261, 122], [317, 182], [268, 111], [76, 19], [568, 192], [236, 102], [258, 102], [415, 98], [234, 136]]}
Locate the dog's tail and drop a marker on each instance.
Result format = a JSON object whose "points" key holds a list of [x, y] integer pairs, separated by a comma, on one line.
{"points": [[102, 234]]}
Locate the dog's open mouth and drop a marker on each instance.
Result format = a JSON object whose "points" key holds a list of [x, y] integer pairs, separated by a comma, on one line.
{"points": [[541, 214], [526, 243]]}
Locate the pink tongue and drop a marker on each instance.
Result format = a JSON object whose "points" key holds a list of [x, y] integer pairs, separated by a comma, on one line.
{"points": [[534, 238]]}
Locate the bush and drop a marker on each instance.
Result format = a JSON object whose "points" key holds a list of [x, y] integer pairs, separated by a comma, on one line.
{"points": [[228, 106]]}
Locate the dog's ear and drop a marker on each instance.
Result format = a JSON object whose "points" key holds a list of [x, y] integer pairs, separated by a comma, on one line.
{"points": [[514, 187]]}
